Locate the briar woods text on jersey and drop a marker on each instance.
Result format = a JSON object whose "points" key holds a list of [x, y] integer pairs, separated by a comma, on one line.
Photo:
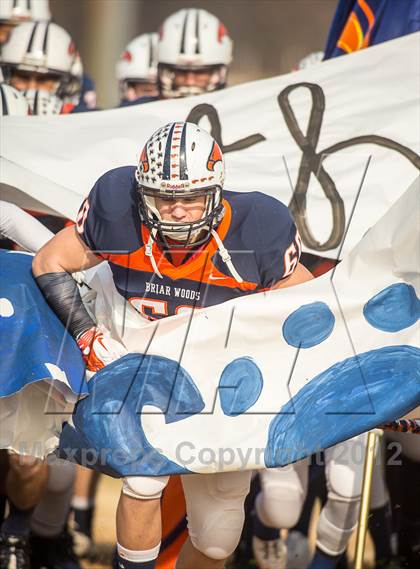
{"points": [[172, 291]]}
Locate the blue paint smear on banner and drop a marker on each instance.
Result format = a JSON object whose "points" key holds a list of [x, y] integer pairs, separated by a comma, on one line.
{"points": [[309, 325], [31, 334], [382, 384], [394, 308], [107, 432], [240, 386]]}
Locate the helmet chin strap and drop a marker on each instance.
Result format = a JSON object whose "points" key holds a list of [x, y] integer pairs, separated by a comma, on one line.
{"points": [[149, 253], [226, 258]]}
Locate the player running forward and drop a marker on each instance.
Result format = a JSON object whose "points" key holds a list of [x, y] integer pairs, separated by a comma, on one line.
{"points": [[175, 225]]}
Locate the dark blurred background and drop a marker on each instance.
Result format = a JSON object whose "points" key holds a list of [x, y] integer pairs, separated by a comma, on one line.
{"points": [[270, 36]]}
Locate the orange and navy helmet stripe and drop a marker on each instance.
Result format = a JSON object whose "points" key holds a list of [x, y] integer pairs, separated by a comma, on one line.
{"points": [[174, 161]]}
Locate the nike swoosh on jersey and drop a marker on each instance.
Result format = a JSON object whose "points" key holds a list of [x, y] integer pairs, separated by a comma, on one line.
{"points": [[213, 278]]}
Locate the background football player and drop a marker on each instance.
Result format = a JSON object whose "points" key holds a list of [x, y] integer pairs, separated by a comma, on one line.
{"points": [[194, 53], [39, 60], [136, 71]]}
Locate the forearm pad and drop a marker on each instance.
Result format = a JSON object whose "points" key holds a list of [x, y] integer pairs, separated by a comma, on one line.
{"points": [[61, 292]]}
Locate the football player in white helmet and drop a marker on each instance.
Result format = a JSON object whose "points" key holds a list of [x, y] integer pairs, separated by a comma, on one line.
{"points": [[14, 12], [39, 56], [136, 71], [12, 102], [172, 208], [194, 52]]}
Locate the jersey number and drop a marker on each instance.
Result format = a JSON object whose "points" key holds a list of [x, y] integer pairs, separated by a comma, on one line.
{"points": [[81, 217], [153, 309], [292, 256]]}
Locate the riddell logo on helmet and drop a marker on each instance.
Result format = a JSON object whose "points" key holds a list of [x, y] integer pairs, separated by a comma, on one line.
{"points": [[170, 186]]}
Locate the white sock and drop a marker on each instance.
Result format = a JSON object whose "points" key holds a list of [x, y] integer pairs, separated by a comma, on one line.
{"points": [[138, 556], [81, 503]]}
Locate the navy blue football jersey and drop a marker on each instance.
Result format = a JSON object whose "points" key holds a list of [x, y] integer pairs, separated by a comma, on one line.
{"points": [[256, 229]]}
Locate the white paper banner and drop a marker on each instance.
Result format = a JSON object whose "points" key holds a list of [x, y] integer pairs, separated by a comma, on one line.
{"points": [[343, 136]]}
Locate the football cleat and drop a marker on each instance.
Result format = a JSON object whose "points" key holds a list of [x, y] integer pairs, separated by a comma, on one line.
{"points": [[53, 553], [83, 545], [14, 552], [269, 554], [298, 553]]}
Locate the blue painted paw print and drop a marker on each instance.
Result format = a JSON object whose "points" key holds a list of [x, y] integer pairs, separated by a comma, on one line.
{"points": [[109, 419], [309, 325], [394, 308], [366, 382], [240, 386]]}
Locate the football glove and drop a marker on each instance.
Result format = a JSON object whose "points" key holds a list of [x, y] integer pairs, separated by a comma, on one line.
{"points": [[99, 349]]}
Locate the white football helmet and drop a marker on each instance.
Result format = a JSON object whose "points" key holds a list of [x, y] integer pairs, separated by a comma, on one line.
{"points": [[43, 48], [12, 102], [192, 40], [17, 11], [181, 160], [138, 61]]}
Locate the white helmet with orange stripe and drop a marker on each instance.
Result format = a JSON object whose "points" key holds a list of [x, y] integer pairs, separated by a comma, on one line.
{"points": [[138, 65], [40, 49], [181, 160], [194, 52]]}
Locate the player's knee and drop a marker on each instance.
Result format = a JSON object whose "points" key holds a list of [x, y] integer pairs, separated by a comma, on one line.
{"points": [[26, 467], [144, 487], [61, 476], [345, 484], [219, 536], [337, 522], [215, 529], [280, 505]]}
